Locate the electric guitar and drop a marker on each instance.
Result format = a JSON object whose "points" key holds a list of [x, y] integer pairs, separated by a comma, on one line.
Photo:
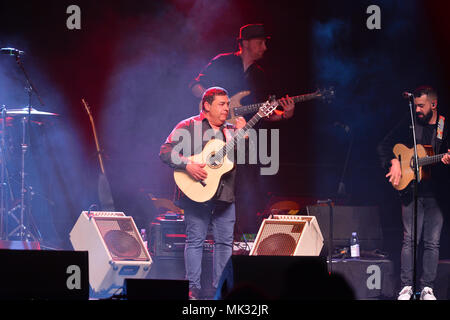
{"points": [[406, 157], [237, 110], [104, 189], [214, 155]]}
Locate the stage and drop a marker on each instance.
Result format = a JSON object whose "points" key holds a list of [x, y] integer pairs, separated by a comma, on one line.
{"points": [[49, 275], [90, 94]]}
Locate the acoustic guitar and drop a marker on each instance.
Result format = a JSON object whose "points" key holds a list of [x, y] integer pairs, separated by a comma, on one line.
{"points": [[104, 189], [214, 155], [406, 157]]}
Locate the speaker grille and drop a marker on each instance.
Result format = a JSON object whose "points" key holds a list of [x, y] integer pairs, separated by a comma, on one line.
{"points": [[121, 238], [279, 238]]}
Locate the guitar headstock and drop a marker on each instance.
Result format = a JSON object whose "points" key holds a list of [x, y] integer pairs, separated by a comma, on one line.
{"points": [[268, 107], [325, 94]]}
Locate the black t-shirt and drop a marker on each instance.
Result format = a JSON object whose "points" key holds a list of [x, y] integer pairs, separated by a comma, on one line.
{"points": [[226, 70], [426, 135], [428, 131]]}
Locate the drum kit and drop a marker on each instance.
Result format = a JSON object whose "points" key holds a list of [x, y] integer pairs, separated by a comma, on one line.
{"points": [[20, 213]]}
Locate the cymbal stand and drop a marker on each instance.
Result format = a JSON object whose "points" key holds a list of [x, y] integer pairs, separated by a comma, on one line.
{"points": [[21, 230]]}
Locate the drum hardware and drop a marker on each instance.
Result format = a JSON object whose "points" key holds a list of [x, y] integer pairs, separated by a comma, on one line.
{"points": [[23, 208]]}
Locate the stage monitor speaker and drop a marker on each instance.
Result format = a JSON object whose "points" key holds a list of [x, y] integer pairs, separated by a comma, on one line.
{"points": [[280, 278], [116, 250], [347, 219], [43, 275], [286, 235]]}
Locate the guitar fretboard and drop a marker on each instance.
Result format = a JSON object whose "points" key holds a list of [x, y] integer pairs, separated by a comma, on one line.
{"points": [[431, 159], [243, 110], [229, 146]]}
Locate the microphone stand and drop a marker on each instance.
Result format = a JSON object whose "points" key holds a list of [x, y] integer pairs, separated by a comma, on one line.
{"points": [[330, 239], [341, 187], [415, 196], [22, 230]]}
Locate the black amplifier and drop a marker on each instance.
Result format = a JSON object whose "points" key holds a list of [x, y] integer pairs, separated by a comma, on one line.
{"points": [[168, 237]]}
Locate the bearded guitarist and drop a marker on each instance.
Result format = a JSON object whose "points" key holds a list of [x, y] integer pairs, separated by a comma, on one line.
{"points": [[432, 134]]}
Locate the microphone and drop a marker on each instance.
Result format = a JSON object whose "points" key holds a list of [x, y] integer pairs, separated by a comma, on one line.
{"points": [[407, 95], [11, 51]]}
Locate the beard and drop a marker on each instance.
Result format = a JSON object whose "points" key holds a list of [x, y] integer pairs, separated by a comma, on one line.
{"points": [[425, 119]]}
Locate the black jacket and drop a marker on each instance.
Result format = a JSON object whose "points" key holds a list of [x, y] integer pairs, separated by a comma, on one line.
{"points": [[402, 133]]}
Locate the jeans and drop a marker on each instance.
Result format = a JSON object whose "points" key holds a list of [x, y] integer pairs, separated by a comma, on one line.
{"points": [[429, 221], [197, 217]]}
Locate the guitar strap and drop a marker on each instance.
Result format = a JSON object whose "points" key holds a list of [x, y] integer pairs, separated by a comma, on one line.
{"points": [[437, 138], [227, 133], [439, 134]]}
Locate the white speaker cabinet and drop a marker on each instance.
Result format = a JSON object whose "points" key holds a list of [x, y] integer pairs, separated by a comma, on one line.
{"points": [[115, 250], [288, 235]]}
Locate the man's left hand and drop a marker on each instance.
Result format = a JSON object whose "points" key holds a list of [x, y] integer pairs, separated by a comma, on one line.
{"points": [[288, 107], [446, 158]]}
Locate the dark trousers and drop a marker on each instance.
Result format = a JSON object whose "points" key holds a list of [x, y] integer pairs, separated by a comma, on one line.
{"points": [[429, 225]]}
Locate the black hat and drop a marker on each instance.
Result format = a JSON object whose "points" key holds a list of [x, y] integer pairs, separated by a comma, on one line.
{"points": [[251, 31]]}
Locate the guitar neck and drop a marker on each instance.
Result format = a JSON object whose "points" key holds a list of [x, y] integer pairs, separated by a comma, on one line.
{"points": [[251, 108], [94, 131], [229, 146], [425, 161]]}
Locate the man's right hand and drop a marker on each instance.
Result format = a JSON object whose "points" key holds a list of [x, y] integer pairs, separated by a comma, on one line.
{"points": [[395, 173], [196, 171]]}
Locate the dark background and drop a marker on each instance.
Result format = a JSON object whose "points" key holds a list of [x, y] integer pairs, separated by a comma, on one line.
{"points": [[132, 61]]}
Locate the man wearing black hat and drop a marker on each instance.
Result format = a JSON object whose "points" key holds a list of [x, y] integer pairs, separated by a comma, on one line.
{"points": [[239, 71]]}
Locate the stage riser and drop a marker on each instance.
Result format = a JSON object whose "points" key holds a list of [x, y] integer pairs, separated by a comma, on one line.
{"points": [[442, 283], [369, 279]]}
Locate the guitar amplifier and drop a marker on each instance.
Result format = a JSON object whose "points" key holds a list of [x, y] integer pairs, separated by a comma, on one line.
{"points": [[168, 237]]}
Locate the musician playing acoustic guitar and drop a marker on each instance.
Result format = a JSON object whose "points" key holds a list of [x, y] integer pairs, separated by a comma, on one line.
{"points": [[220, 210], [432, 131]]}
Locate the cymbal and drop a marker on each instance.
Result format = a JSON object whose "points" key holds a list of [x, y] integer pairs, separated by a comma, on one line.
{"points": [[24, 111]]}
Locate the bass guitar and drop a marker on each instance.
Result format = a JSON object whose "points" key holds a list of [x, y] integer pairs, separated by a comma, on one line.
{"points": [[238, 110]]}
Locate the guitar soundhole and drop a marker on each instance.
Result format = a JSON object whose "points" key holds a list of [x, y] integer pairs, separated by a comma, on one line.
{"points": [[213, 161]]}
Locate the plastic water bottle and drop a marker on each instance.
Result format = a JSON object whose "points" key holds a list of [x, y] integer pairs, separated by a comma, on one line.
{"points": [[144, 238], [354, 246]]}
